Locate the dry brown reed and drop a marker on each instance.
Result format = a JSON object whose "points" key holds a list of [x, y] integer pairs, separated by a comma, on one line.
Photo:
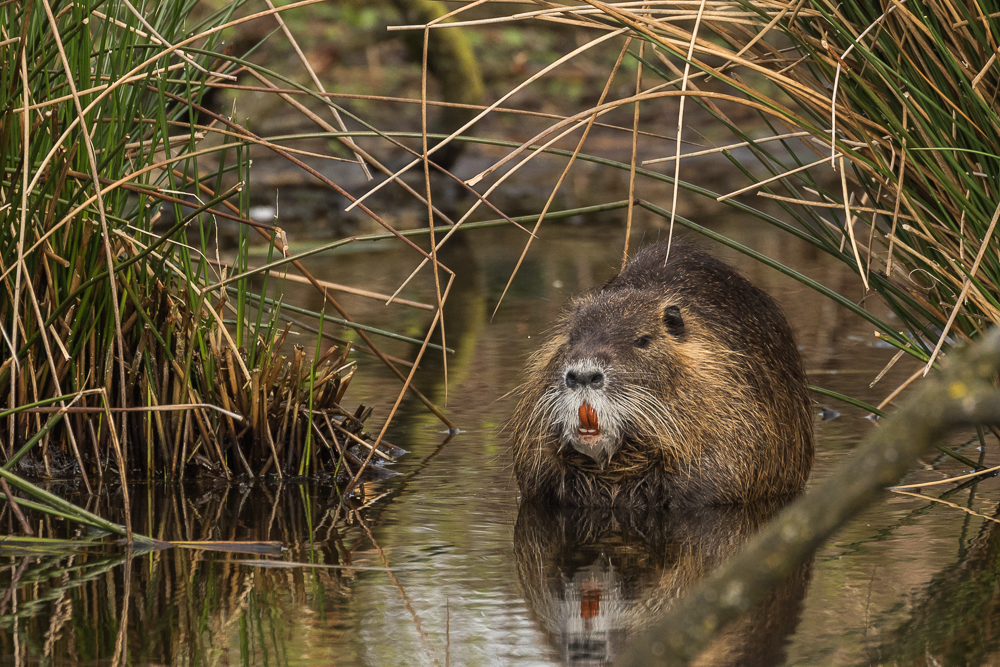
{"points": [[896, 100]]}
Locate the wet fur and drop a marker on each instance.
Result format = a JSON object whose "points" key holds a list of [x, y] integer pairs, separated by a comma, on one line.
{"points": [[715, 414]]}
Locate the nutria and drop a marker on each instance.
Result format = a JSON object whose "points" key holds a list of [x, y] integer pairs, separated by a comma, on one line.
{"points": [[676, 383]]}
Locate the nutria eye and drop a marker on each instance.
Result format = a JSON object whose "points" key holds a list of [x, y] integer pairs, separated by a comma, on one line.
{"points": [[672, 318], [642, 342]]}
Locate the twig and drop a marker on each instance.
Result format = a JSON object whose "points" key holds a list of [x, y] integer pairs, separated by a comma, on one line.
{"points": [[777, 177], [680, 129], [942, 501], [965, 288], [950, 480], [381, 455], [849, 222]]}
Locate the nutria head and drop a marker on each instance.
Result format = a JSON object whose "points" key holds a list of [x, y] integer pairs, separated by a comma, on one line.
{"points": [[604, 388], [676, 382]]}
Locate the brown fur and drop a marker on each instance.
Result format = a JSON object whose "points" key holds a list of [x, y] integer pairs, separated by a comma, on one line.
{"points": [[713, 410]]}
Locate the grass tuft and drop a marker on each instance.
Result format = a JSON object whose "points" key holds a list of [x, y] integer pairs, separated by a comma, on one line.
{"points": [[124, 345]]}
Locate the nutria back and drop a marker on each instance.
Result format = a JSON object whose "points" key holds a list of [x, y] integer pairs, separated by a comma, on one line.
{"points": [[675, 383]]}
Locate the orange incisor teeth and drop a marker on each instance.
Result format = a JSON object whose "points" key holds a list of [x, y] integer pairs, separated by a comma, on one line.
{"points": [[588, 418]]}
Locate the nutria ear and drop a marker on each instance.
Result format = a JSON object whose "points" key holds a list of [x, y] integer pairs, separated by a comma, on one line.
{"points": [[672, 318]]}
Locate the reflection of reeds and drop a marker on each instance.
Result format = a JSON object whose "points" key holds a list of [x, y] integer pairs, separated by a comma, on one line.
{"points": [[182, 606]]}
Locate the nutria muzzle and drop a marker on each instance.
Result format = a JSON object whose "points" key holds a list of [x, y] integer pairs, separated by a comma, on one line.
{"points": [[585, 428]]}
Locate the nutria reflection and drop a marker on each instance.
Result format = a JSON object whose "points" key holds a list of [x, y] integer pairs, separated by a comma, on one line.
{"points": [[678, 382], [592, 578]]}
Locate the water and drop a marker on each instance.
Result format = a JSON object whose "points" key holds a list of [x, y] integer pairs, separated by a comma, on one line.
{"points": [[439, 566]]}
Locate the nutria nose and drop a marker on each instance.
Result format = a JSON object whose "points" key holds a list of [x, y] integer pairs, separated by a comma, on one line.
{"points": [[584, 379]]}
